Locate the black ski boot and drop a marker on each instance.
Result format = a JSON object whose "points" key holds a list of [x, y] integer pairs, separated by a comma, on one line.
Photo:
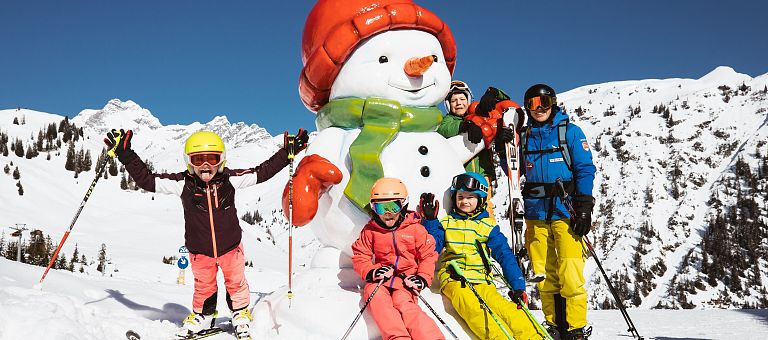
{"points": [[579, 334], [552, 330]]}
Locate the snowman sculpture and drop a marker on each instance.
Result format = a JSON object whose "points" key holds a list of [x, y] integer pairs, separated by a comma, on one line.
{"points": [[374, 71]]}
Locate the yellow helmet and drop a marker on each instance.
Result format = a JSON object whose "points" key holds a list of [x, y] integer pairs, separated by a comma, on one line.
{"points": [[204, 141]]}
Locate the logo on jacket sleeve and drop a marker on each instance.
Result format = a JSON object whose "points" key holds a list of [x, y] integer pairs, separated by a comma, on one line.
{"points": [[528, 165], [585, 145]]}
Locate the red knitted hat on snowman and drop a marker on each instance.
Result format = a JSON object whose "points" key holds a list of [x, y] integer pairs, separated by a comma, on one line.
{"points": [[335, 27]]}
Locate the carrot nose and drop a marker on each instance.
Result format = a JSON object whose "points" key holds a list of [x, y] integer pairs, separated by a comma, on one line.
{"points": [[416, 66]]}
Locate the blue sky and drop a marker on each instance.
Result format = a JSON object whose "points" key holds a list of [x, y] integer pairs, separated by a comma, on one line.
{"points": [[190, 60]]}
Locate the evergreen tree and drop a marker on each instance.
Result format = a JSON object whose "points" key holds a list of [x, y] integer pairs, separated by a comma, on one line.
{"points": [[61, 262], [37, 252], [40, 140], [87, 162], [2, 244], [112, 167], [67, 133], [16, 120], [7, 169], [70, 162], [19, 148], [29, 154], [102, 259], [123, 183], [79, 156], [74, 259], [21, 189], [51, 133]]}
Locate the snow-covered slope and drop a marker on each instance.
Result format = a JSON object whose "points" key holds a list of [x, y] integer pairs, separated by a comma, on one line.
{"points": [[658, 172]]}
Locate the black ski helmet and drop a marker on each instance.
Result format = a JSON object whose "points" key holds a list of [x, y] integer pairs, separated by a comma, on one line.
{"points": [[546, 96], [540, 90]]}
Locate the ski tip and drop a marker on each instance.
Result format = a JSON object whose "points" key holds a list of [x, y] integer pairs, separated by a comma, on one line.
{"points": [[131, 335]]}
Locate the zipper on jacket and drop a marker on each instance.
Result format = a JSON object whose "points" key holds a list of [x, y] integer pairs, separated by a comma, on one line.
{"points": [[210, 216], [397, 258], [216, 196]]}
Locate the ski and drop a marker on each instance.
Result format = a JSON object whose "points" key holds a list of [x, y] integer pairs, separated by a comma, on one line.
{"points": [[132, 335], [510, 163]]}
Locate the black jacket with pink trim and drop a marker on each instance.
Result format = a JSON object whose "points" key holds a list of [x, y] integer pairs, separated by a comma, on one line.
{"points": [[211, 223]]}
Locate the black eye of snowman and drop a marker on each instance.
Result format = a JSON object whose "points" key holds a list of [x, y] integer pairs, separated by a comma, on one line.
{"points": [[434, 58], [383, 59]]}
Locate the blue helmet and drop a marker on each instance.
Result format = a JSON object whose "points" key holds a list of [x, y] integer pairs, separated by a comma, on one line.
{"points": [[470, 182]]}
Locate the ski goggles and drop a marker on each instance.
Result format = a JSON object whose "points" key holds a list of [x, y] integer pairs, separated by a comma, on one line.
{"points": [[467, 182], [458, 86], [199, 159], [381, 208], [544, 102]]}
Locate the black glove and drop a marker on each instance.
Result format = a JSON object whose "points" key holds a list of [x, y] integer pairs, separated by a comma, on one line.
{"points": [[299, 142], [504, 135], [489, 100], [582, 206], [120, 141], [381, 273], [455, 276], [415, 283], [429, 206], [474, 132], [518, 296]]}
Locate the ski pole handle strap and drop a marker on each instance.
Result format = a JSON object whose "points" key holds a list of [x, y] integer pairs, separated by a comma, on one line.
{"points": [[453, 266]]}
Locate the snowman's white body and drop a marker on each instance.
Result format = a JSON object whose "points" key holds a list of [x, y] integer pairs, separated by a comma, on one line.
{"points": [[338, 221]]}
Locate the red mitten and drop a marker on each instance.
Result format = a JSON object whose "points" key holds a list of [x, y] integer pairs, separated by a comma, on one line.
{"points": [[313, 174]]}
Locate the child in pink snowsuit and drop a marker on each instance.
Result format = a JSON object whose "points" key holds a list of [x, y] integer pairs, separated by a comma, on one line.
{"points": [[405, 257], [212, 229]]}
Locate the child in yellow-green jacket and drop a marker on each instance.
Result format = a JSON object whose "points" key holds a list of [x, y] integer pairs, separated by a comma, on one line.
{"points": [[457, 236]]}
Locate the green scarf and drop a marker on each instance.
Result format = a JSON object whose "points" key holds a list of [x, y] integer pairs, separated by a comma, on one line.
{"points": [[380, 119]]}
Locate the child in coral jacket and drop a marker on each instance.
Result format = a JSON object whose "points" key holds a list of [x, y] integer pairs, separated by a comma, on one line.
{"points": [[394, 247]]}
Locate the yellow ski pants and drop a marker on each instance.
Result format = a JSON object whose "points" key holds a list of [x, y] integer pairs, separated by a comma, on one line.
{"points": [[556, 251], [480, 321]]}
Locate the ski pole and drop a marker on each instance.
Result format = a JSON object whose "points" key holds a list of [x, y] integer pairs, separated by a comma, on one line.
{"points": [[613, 290], [291, 140], [585, 243], [349, 330], [456, 270], [402, 276], [488, 265], [111, 153]]}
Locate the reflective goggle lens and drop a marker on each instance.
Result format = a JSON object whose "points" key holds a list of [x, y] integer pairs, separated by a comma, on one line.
{"points": [[200, 159], [467, 182], [534, 103], [381, 208]]}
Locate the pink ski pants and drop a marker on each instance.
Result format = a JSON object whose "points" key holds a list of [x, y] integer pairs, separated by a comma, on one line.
{"points": [[398, 316], [232, 265]]}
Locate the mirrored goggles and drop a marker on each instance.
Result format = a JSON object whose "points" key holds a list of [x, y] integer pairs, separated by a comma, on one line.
{"points": [[544, 102], [201, 158], [467, 182], [381, 208]]}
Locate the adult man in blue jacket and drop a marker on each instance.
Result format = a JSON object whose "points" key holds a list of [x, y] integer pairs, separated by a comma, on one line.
{"points": [[556, 151]]}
